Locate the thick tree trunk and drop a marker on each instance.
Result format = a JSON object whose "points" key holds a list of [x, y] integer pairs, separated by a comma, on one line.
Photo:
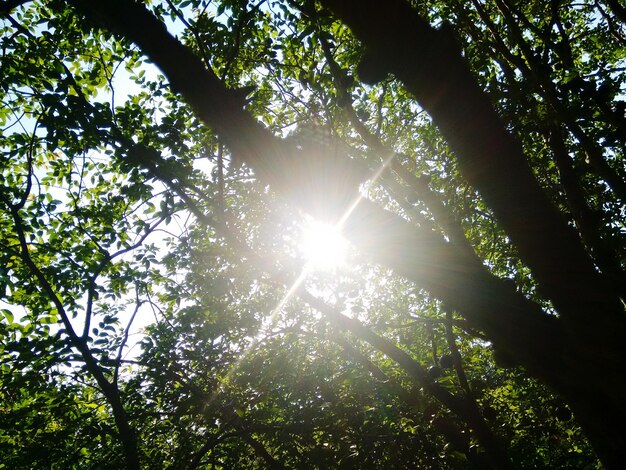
{"points": [[566, 352], [588, 376], [602, 416], [429, 63], [452, 275]]}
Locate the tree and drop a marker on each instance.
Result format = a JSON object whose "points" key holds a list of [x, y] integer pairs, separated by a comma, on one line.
{"points": [[491, 229]]}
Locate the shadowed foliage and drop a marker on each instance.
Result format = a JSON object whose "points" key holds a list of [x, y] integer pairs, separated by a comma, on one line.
{"points": [[161, 163]]}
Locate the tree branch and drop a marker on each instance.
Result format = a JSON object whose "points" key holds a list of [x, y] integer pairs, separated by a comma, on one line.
{"points": [[110, 392], [465, 409], [430, 65], [7, 6], [320, 181]]}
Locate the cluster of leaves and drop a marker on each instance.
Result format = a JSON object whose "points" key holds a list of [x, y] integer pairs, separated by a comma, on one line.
{"points": [[140, 295]]}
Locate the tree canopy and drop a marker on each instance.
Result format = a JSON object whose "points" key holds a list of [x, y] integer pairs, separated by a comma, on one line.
{"points": [[312, 234]]}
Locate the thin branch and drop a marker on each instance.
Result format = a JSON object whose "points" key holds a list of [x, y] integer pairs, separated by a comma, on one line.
{"points": [[461, 407], [110, 392], [262, 452], [138, 304], [108, 257], [29, 162], [618, 9], [456, 355]]}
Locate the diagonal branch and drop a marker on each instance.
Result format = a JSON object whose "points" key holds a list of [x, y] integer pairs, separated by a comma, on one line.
{"points": [[317, 180], [7, 6], [466, 409], [429, 63], [617, 9], [442, 215], [110, 391]]}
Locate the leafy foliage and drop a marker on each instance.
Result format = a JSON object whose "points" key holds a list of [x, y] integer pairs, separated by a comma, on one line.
{"points": [[155, 313]]}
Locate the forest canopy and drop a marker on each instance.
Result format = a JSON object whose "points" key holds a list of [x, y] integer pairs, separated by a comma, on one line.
{"points": [[312, 234]]}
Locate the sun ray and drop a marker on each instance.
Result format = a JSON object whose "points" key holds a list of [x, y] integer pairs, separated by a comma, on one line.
{"points": [[306, 270], [346, 215]]}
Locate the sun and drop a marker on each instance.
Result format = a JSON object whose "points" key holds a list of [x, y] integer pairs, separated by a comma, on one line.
{"points": [[323, 246]]}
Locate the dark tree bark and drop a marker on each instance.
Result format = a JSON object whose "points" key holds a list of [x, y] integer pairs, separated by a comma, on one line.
{"points": [[580, 353], [618, 9], [429, 63]]}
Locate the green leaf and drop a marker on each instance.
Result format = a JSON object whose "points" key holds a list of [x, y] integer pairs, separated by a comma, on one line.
{"points": [[8, 315]]}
